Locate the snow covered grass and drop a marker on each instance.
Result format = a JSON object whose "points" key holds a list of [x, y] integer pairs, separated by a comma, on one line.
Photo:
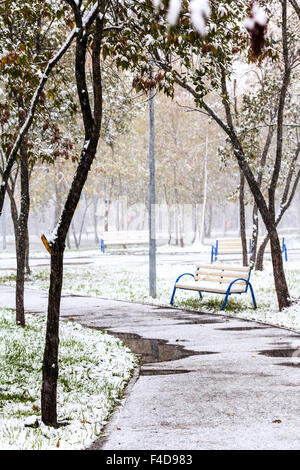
{"points": [[131, 284], [94, 368]]}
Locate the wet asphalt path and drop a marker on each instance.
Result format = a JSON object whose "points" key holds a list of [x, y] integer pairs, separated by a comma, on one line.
{"points": [[206, 382]]}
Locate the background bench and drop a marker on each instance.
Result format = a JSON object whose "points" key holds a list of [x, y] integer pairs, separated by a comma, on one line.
{"points": [[217, 279], [233, 246], [268, 246], [128, 237]]}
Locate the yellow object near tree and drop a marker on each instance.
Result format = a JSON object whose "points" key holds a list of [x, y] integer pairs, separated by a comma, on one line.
{"points": [[46, 244]]}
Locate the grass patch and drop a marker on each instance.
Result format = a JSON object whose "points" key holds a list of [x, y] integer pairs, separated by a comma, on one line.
{"points": [[14, 398], [8, 278], [212, 304], [94, 368]]}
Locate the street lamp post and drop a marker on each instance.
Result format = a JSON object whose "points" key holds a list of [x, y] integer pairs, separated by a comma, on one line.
{"points": [[152, 234]]}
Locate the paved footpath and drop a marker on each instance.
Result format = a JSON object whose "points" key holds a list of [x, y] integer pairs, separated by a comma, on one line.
{"points": [[206, 382]]}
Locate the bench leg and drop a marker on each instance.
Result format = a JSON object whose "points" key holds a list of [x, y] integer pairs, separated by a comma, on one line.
{"points": [[173, 295], [253, 296], [200, 295], [285, 253], [102, 245], [225, 301]]}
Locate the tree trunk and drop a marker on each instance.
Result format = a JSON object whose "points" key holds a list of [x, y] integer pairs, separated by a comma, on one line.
{"points": [[176, 226], [121, 202], [82, 222], [68, 241], [208, 221], [169, 225], [205, 175], [254, 238], [27, 266], [22, 236], [145, 214], [194, 222], [95, 204], [169, 215], [74, 235], [180, 225], [179, 236], [278, 271], [50, 361], [242, 219], [107, 204], [260, 255]]}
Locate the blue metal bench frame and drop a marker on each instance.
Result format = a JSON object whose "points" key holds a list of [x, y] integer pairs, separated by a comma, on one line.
{"points": [[214, 250], [227, 294]]}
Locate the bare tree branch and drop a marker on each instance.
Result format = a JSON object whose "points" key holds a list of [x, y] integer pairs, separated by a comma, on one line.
{"points": [[296, 7]]}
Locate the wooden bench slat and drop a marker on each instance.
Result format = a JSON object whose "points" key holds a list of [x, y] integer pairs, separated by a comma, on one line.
{"points": [[224, 280], [222, 274], [206, 288], [229, 243], [223, 267]]}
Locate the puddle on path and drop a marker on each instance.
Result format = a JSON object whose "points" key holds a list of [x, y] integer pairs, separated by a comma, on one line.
{"points": [[278, 336], [199, 320], [190, 319], [196, 321], [244, 328], [282, 352], [164, 371], [288, 364], [156, 350]]}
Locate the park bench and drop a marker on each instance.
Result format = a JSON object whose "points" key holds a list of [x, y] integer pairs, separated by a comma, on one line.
{"points": [[124, 237], [217, 279], [268, 246], [226, 246], [128, 237], [233, 246]]}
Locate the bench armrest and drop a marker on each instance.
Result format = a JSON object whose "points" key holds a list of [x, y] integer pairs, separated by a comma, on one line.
{"points": [[174, 289], [239, 279], [184, 274]]}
